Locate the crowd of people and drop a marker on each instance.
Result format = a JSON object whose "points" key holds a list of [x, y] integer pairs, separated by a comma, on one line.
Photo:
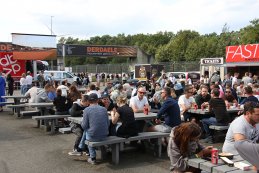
{"points": [[173, 99]]}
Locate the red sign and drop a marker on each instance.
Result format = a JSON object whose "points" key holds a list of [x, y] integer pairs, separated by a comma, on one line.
{"points": [[9, 65], [242, 53]]}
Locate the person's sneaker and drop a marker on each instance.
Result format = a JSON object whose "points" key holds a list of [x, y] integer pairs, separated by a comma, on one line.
{"points": [[75, 153], [207, 140], [91, 161], [87, 153]]}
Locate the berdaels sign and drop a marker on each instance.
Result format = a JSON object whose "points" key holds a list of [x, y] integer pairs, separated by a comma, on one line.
{"points": [[242, 53]]}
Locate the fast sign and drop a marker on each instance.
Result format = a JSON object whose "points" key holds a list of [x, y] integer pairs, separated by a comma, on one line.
{"points": [[242, 53]]}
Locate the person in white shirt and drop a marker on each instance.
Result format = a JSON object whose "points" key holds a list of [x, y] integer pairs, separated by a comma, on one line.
{"points": [[234, 79], [23, 84], [93, 90], [32, 93], [28, 80], [64, 89], [138, 102], [186, 102], [172, 78]]}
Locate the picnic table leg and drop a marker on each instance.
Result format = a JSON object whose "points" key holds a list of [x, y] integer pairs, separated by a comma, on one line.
{"points": [[158, 147], [52, 126], [115, 153]]}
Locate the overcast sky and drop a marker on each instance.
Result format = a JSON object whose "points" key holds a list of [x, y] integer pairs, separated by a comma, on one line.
{"points": [[86, 18]]}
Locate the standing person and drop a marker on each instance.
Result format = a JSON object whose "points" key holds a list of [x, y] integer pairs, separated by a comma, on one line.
{"points": [[170, 111], [184, 144], [234, 79], [2, 91], [245, 127], [124, 114], [23, 84], [10, 83], [95, 124], [40, 79], [28, 80], [246, 79]]}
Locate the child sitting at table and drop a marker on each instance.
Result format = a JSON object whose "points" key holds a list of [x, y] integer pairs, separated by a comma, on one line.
{"points": [[184, 144]]}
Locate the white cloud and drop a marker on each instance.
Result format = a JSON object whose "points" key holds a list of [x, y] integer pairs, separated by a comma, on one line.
{"points": [[85, 18]]}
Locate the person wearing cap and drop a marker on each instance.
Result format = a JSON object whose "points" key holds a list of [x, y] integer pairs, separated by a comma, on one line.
{"points": [[77, 111], [95, 124]]}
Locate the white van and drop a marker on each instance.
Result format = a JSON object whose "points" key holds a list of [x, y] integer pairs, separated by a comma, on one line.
{"points": [[61, 76], [194, 75]]}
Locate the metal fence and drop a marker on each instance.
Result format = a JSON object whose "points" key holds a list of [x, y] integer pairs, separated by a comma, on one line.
{"points": [[127, 68]]}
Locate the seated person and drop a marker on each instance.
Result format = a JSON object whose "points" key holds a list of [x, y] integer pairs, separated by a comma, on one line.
{"points": [[248, 151], [32, 93], [250, 96], [156, 100], [106, 102], [77, 111], [184, 144], [186, 102], [52, 93], [60, 104], [203, 98], [218, 108], [229, 98], [125, 115], [245, 127]]}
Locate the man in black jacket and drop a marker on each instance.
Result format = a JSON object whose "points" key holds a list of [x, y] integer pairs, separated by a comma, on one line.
{"points": [[77, 111]]}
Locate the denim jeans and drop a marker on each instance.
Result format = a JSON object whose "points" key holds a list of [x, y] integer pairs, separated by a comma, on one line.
{"points": [[85, 136], [206, 122]]}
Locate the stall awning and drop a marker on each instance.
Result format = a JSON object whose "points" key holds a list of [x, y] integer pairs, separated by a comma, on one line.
{"points": [[244, 64], [35, 55]]}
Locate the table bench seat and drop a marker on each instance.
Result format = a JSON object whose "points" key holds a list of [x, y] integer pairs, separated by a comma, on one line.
{"points": [[214, 127], [47, 118], [30, 112], [115, 143], [65, 130]]}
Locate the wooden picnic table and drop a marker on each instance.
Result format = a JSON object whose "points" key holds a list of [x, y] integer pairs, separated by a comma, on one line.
{"points": [[221, 167], [16, 98], [138, 116], [206, 111], [40, 106]]}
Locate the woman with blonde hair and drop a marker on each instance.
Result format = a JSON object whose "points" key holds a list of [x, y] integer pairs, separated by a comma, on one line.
{"points": [[184, 144], [127, 126]]}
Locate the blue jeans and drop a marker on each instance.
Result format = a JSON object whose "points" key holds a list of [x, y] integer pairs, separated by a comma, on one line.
{"points": [[206, 122], [85, 136]]}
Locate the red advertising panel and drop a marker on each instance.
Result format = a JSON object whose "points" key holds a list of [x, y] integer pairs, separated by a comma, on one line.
{"points": [[9, 65], [242, 53]]}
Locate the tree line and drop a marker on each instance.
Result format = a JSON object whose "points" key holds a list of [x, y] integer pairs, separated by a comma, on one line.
{"points": [[185, 45]]}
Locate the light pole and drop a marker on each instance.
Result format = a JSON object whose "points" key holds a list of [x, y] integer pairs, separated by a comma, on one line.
{"points": [[51, 25]]}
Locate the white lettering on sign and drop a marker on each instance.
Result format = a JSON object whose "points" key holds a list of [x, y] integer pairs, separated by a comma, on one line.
{"points": [[9, 65], [242, 53]]}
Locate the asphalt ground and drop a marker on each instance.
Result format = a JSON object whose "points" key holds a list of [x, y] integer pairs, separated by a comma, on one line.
{"points": [[27, 149]]}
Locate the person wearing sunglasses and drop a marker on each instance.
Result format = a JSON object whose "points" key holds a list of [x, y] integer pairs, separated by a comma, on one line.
{"points": [[138, 102], [229, 98]]}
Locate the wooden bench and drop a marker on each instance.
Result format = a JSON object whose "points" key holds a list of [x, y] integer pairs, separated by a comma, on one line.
{"points": [[115, 143], [7, 103], [17, 109], [30, 112], [52, 118], [214, 127], [216, 135]]}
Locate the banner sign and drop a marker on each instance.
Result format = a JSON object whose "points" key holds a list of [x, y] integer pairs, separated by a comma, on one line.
{"points": [[11, 66], [242, 53], [211, 61], [80, 50]]}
